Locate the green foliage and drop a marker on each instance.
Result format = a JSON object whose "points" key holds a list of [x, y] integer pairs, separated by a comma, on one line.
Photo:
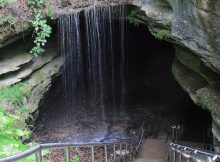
{"points": [[13, 129], [10, 135], [16, 94], [133, 18], [50, 12], [77, 159], [42, 29], [6, 2], [8, 127], [163, 34], [15, 98]]}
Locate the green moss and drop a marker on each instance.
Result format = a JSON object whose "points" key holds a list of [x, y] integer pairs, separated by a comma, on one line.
{"points": [[168, 25], [40, 75], [209, 98]]}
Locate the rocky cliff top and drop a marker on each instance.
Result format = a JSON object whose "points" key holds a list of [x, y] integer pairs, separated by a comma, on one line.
{"points": [[16, 16]]}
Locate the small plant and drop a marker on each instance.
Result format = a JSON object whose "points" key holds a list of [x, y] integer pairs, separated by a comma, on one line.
{"points": [[42, 30], [163, 34], [133, 18]]}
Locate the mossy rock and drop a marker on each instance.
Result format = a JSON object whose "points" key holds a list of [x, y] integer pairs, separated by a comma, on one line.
{"points": [[209, 98]]}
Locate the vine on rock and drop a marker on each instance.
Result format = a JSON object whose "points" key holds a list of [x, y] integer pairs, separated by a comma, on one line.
{"points": [[42, 30]]}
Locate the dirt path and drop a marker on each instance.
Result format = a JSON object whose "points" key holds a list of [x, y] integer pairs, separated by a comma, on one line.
{"points": [[153, 150]]}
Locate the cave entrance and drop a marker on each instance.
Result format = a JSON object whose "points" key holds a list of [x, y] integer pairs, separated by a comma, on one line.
{"points": [[152, 93]]}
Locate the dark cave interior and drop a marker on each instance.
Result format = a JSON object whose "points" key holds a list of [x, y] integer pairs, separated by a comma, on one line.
{"points": [[153, 96]]}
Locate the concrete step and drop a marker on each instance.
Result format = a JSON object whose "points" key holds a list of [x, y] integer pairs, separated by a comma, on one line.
{"points": [[153, 150]]}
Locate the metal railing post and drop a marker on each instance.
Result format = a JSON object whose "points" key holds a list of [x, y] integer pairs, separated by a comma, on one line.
{"points": [[173, 132], [126, 150], [120, 150], [106, 153], [38, 155], [170, 152], [92, 154], [174, 156], [180, 157], [131, 150], [114, 151], [209, 159], [67, 154]]}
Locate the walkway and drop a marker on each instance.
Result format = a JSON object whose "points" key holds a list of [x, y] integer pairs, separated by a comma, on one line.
{"points": [[153, 150]]}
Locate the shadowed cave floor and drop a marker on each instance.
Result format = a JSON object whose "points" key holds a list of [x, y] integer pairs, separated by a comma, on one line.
{"points": [[58, 123]]}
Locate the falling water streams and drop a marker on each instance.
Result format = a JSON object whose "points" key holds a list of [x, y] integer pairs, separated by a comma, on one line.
{"points": [[101, 101], [94, 72]]}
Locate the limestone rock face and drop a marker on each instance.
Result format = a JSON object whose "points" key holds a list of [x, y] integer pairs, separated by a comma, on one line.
{"points": [[195, 31], [41, 81], [12, 60], [195, 25], [19, 66], [12, 30]]}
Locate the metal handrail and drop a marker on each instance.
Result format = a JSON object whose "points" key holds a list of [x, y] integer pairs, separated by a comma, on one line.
{"points": [[191, 153], [178, 151], [130, 145]]}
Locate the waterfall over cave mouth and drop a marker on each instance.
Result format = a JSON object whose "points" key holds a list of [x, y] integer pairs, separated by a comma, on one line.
{"points": [[116, 75], [94, 72]]}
